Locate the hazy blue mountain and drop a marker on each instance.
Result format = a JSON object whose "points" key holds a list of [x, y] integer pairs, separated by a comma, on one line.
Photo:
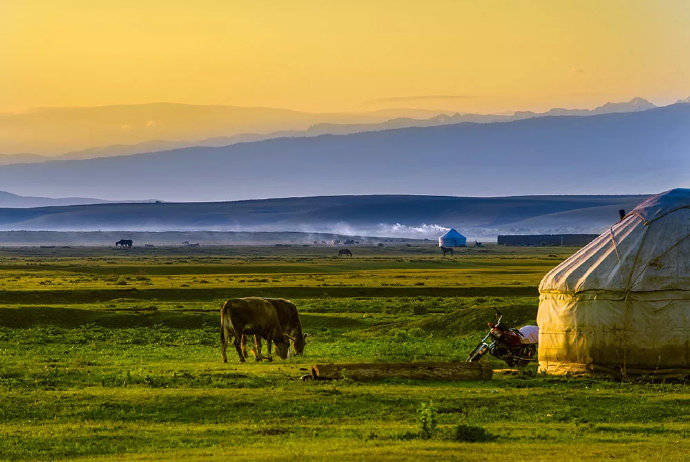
{"points": [[23, 158], [57, 130], [10, 200], [634, 105], [323, 128], [377, 215], [643, 151]]}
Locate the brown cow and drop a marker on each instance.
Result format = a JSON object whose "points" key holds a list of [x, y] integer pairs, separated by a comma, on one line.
{"points": [[251, 316], [289, 322]]}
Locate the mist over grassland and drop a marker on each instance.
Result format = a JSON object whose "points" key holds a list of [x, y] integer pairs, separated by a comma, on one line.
{"points": [[309, 219]]}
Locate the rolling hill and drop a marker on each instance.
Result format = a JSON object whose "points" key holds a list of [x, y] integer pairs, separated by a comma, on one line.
{"points": [[643, 151], [377, 215]]}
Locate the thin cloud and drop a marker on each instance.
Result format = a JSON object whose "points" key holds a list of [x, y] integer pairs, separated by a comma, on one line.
{"points": [[406, 99]]}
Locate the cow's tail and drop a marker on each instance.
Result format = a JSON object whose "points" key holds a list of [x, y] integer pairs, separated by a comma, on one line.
{"points": [[222, 322], [223, 339]]}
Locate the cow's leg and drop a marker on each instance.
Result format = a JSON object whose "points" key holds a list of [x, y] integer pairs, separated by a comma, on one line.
{"points": [[223, 343], [238, 346], [244, 346], [269, 345], [257, 348]]}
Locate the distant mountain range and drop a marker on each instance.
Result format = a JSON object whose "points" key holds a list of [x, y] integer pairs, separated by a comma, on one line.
{"points": [[9, 200], [607, 153], [53, 131], [377, 215], [231, 128]]}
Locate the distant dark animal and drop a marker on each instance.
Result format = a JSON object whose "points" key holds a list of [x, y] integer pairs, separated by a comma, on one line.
{"points": [[446, 250], [149, 246], [478, 244], [124, 243], [345, 252], [251, 316], [289, 322]]}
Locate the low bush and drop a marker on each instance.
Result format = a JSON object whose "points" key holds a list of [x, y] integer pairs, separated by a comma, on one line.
{"points": [[471, 433], [426, 417]]}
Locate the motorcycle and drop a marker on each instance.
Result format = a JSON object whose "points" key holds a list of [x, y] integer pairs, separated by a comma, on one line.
{"points": [[507, 343]]}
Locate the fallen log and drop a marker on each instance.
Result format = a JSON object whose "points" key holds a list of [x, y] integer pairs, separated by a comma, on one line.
{"points": [[412, 370]]}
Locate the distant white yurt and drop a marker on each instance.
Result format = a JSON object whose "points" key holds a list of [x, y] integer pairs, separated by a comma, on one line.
{"points": [[621, 305], [452, 239]]}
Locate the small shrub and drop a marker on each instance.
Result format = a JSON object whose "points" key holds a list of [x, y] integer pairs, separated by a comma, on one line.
{"points": [[426, 416], [121, 282], [420, 309], [471, 433]]}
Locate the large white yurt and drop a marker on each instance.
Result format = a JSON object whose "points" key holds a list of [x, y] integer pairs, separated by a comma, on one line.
{"points": [[452, 239], [621, 305]]}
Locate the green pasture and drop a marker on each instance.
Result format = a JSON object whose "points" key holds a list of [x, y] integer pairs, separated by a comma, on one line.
{"points": [[114, 354]]}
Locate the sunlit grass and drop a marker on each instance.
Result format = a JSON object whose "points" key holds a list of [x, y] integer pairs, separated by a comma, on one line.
{"points": [[136, 375]]}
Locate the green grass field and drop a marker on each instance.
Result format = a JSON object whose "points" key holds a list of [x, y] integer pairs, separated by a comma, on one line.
{"points": [[114, 354]]}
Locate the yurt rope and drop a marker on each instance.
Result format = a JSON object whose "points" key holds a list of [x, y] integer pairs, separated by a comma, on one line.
{"points": [[615, 244], [628, 289]]}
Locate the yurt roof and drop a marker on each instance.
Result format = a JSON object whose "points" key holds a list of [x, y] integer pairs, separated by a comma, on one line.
{"points": [[452, 234], [662, 204], [647, 251]]}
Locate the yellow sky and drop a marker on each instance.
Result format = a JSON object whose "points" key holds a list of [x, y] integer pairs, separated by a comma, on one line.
{"points": [[479, 56]]}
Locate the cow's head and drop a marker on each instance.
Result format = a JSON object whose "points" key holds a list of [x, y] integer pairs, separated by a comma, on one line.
{"points": [[299, 342], [282, 346]]}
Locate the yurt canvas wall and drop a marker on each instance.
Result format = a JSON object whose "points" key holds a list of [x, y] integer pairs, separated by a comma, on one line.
{"points": [[452, 239], [622, 304]]}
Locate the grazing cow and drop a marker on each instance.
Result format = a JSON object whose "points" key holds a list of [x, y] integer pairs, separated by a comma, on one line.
{"points": [[346, 252], [251, 316], [124, 243], [446, 250], [289, 322]]}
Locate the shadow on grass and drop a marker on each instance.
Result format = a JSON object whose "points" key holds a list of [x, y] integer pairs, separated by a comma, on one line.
{"points": [[28, 317]]}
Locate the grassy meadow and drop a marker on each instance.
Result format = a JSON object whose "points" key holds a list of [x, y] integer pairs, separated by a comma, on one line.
{"points": [[114, 355]]}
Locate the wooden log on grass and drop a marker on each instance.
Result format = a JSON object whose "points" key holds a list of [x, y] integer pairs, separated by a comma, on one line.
{"points": [[421, 370]]}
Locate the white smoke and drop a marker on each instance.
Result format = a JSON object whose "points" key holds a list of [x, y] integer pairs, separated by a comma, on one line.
{"points": [[423, 231]]}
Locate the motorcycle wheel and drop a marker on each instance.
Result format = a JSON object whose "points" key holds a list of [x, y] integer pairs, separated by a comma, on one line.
{"points": [[474, 356]]}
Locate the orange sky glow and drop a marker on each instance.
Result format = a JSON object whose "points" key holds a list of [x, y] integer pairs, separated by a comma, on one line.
{"points": [[468, 56]]}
